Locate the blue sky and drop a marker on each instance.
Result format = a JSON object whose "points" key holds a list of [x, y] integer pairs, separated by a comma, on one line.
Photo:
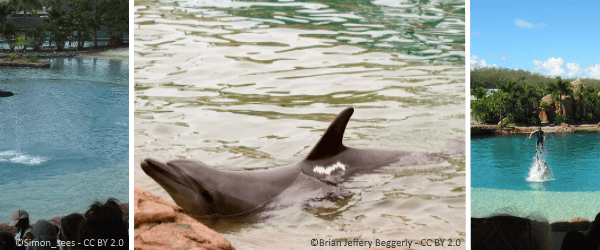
{"points": [[558, 38]]}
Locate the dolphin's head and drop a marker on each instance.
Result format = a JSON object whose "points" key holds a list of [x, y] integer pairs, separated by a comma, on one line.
{"points": [[187, 192]]}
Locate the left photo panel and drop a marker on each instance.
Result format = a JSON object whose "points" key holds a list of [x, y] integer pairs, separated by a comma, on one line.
{"points": [[64, 124]]}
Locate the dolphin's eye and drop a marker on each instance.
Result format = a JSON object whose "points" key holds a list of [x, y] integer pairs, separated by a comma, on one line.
{"points": [[207, 196]]}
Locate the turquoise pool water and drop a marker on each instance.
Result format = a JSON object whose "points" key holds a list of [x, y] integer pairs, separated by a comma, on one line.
{"points": [[504, 162], [63, 137], [500, 167]]}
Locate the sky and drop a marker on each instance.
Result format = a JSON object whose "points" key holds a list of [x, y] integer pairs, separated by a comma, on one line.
{"points": [[555, 38]]}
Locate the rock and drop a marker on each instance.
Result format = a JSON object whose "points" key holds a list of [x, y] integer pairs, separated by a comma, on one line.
{"points": [[580, 224], [56, 220], [598, 125], [548, 99], [561, 226], [161, 224], [6, 93], [4, 227], [566, 128], [483, 129], [502, 121], [576, 85]]}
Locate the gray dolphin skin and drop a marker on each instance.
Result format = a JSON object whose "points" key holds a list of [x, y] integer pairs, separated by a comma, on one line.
{"points": [[203, 190]]}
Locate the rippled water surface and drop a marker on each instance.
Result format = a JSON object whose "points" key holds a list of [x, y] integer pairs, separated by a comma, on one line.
{"points": [[252, 84], [63, 137]]}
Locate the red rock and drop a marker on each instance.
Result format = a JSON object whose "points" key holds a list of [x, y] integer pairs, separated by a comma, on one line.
{"points": [[561, 226], [4, 227], [163, 225], [580, 224], [576, 85]]}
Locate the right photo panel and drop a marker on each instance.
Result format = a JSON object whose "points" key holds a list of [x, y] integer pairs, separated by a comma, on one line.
{"points": [[535, 123]]}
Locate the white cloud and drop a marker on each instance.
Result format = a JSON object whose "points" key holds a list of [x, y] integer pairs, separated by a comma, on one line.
{"points": [[552, 66], [475, 33], [527, 25], [503, 58], [477, 62], [574, 69], [594, 71]]}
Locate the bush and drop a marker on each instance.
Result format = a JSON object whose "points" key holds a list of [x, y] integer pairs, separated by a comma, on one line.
{"points": [[544, 105], [33, 59], [560, 119], [590, 117], [13, 57]]}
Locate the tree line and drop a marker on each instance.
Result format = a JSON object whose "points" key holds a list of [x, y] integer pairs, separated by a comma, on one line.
{"points": [[522, 103], [68, 21], [487, 77]]}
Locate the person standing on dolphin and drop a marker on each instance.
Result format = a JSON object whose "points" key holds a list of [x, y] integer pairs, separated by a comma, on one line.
{"points": [[540, 137]]}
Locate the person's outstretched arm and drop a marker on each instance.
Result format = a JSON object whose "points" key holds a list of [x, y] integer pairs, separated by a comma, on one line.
{"points": [[532, 134]]}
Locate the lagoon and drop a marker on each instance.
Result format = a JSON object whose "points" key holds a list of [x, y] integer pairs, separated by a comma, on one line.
{"points": [[63, 137]]}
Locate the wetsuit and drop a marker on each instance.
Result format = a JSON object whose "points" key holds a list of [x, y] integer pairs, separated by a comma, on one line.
{"points": [[540, 136]]}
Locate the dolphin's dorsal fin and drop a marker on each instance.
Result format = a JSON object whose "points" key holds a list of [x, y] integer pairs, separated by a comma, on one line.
{"points": [[331, 142]]}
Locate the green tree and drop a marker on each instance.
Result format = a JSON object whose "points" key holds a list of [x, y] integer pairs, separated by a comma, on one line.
{"points": [[22, 41], [114, 15], [531, 98], [58, 24], [479, 92], [38, 35], [7, 29], [586, 99], [83, 23], [26, 5], [560, 92]]}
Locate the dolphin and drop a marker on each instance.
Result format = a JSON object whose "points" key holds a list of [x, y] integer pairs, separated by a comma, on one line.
{"points": [[6, 93], [202, 190]]}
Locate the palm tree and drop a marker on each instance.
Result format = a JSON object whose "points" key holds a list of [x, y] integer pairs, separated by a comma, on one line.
{"points": [[560, 91], [479, 93], [26, 5], [531, 97], [585, 99]]}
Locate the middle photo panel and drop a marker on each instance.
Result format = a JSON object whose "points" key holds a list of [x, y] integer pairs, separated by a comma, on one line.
{"points": [[293, 125]]}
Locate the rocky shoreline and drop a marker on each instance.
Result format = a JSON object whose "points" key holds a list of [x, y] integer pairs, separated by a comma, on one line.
{"points": [[4, 227], [492, 130], [160, 224], [46, 54], [58, 54]]}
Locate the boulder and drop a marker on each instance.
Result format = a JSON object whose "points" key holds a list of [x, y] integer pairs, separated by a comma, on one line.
{"points": [[580, 224], [576, 85], [561, 226], [502, 121], [56, 220], [160, 224]]}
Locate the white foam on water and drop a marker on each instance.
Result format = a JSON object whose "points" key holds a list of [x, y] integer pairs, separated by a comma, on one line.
{"points": [[539, 170], [328, 170], [15, 156]]}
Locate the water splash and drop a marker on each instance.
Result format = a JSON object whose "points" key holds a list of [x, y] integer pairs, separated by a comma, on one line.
{"points": [[539, 170], [15, 156]]}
